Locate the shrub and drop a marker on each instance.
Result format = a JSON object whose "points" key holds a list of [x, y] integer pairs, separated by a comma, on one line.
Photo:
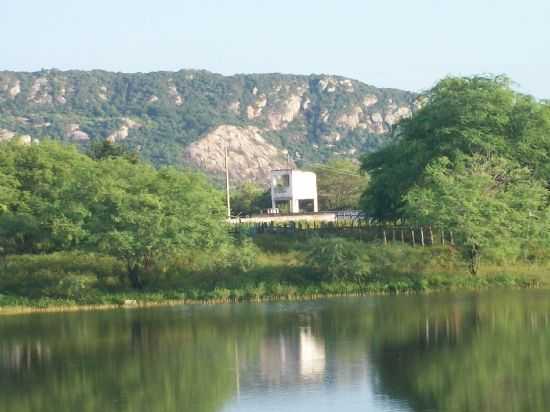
{"points": [[255, 291], [337, 258], [69, 287], [221, 294], [244, 256]]}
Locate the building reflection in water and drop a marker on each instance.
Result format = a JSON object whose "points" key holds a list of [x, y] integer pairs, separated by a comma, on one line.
{"points": [[312, 355], [21, 356], [291, 358]]}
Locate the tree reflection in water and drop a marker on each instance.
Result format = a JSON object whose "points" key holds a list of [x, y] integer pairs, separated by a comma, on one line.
{"points": [[446, 352]]}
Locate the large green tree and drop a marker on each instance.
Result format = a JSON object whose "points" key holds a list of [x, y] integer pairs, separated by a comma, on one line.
{"points": [[54, 198], [490, 204], [249, 199], [340, 184], [477, 115], [141, 214], [45, 196]]}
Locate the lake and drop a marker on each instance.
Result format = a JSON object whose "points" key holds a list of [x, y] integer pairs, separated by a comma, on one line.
{"points": [[487, 351]]}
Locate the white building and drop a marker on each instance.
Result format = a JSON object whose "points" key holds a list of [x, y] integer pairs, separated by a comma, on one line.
{"points": [[294, 191]]}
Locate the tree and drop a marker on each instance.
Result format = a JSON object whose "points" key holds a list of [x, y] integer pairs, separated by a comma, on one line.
{"points": [[477, 115], [489, 204], [338, 259], [106, 150], [8, 192], [44, 207], [340, 184], [141, 214], [250, 199], [8, 198]]}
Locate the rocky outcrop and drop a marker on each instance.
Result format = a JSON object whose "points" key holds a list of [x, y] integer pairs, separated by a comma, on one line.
{"points": [[74, 133], [102, 94], [39, 92], [175, 95], [14, 90], [279, 119], [255, 110], [124, 130], [251, 157], [352, 119], [164, 114], [6, 135]]}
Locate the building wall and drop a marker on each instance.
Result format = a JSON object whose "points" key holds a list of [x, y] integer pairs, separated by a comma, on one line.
{"points": [[302, 186]]}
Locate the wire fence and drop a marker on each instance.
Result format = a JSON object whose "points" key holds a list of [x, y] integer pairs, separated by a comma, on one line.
{"points": [[363, 230]]}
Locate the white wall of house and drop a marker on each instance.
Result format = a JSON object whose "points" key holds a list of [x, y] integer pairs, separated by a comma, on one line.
{"points": [[293, 186]]}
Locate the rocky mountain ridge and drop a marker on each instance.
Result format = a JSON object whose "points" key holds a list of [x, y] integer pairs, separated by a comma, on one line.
{"points": [[188, 117]]}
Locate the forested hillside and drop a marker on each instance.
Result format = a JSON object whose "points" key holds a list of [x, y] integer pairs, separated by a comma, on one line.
{"points": [[187, 117]]}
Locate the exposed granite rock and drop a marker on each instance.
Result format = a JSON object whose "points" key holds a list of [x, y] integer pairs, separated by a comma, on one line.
{"points": [[288, 112], [251, 157], [370, 100], [103, 93], [313, 117], [175, 96], [352, 119], [124, 130], [255, 110], [6, 135], [14, 90], [74, 133], [39, 92]]}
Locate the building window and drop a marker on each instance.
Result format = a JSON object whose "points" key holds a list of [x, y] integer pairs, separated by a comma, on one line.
{"points": [[283, 206], [281, 183], [306, 205]]}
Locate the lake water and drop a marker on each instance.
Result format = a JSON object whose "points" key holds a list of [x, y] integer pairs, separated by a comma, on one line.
{"points": [[440, 352]]}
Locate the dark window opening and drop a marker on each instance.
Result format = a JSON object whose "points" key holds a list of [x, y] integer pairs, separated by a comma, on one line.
{"points": [[306, 205], [283, 206], [281, 183]]}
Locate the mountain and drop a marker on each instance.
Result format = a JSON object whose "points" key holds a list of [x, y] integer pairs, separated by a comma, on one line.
{"points": [[188, 117]]}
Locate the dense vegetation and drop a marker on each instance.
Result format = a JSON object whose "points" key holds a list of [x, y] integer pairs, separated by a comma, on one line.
{"points": [[57, 199], [340, 184], [170, 110], [475, 160], [102, 226]]}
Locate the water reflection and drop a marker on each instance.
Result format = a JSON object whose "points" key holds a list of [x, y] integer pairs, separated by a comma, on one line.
{"points": [[423, 353]]}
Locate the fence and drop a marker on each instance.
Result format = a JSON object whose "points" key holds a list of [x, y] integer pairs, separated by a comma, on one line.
{"points": [[357, 229]]}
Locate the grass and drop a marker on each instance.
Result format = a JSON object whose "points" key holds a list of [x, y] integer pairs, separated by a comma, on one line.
{"points": [[276, 268]]}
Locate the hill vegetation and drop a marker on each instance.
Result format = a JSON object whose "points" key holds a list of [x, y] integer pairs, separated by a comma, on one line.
{"points": [[312, 118]]}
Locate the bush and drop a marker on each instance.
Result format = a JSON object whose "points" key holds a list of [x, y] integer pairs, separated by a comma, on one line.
{"points": [[244, 256], [71, 287], [396, 260], [255, 291], [338, 259]]}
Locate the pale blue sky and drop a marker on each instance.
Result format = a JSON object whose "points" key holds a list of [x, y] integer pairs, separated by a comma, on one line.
{"points": [[407, 44]]}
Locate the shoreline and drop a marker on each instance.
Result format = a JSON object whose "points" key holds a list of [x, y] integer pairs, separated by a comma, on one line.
{"points": [[145, 304]]}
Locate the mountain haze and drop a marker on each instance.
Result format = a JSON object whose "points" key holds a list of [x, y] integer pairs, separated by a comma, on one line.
{"points": [[188, 117]]}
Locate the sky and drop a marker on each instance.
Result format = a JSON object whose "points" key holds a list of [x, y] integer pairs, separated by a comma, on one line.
{"points": [[406, 44]]}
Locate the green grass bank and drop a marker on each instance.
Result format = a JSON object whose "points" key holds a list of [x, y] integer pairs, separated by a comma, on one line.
{"points": [[269, 268]]}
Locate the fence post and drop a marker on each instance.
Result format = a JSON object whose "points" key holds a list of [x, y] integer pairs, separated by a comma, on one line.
{"points": [[443, 237], [385, 239], [422, 236], [402, 236], [431, 236], [412, 237], [452, 238]]}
